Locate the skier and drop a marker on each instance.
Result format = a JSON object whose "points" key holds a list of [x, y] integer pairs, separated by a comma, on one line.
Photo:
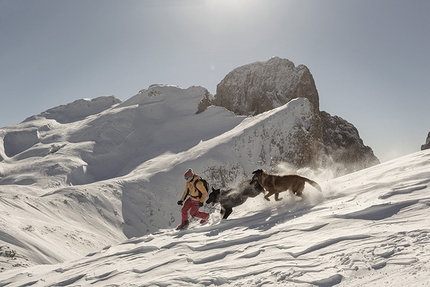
{"points": [[197, 192]]}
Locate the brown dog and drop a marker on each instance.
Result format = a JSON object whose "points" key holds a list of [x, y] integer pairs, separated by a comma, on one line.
{"points": [[275, 184]]}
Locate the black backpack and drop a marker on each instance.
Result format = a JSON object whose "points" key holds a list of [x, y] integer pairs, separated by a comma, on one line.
{"points": [[205, 183]]}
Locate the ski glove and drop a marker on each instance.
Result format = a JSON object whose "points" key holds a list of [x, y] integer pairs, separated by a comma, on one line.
{"points": [[200, 204], [180, 202]]}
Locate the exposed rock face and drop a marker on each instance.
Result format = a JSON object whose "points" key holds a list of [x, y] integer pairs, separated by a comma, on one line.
{"points": [[262, 86], [331, 141], [204, 102], [342, 144], [427, 144]]}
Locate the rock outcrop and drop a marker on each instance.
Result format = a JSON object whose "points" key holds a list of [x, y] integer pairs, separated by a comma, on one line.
{"points": [[258, 87], [262, 86], [343, 146], [427, 144]]}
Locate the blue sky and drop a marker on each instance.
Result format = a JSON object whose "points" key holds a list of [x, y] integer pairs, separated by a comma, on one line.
{"points": [[370, 59]]}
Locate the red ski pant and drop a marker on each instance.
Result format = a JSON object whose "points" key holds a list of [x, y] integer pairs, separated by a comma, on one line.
{"points": [[193, 207]]}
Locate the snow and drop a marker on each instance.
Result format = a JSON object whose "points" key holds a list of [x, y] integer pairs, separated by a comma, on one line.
{"points": [[91, 200]]}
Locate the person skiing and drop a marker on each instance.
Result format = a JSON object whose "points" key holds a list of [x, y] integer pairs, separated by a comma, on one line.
{"points": [[197, 192]]}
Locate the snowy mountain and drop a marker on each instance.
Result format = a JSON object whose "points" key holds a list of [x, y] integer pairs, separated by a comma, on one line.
{"points": [[89, 191], [369, 228], [262, 86], [150, 139]]}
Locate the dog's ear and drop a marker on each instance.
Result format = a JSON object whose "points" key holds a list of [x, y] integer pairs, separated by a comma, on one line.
{"points": [[257, 171]]}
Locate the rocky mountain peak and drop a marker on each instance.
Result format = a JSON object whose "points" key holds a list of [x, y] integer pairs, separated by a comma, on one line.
{"points": [[261, 86], [427, 144], [343, 146]]}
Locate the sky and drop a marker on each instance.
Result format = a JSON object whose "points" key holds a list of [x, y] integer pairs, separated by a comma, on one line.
{"points": [[369, 59]]}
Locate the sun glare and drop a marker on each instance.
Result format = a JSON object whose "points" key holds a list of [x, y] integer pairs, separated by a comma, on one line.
{"points": [[228, 3], [234, 13], [230, 6]]}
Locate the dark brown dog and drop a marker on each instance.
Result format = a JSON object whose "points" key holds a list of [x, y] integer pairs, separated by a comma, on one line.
{"points": [[275, 184], [234, 196]]}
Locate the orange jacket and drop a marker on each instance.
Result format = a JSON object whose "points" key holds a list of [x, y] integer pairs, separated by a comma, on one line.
{"points": [[193, 192]]}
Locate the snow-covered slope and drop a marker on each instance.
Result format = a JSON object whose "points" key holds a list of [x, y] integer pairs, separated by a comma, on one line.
{"points": [[95, 194], [141, 148], [369, 228]]}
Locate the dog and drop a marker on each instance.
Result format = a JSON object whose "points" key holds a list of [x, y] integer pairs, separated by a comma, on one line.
{"points": [[275, 184], [234, 196]]}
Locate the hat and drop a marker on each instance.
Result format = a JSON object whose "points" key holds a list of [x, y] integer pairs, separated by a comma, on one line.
{"points": [[188, 175]]}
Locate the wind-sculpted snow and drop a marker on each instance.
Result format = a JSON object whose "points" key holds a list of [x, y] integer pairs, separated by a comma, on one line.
{"points": [[16, 142], [379, 212], [349, 236], [93, 202], [405, 189]]}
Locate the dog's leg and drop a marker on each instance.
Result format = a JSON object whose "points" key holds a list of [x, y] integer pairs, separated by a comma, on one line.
{"points": [[298, 193], [277, 198], [267, 195], [299, 189], [222, 211], [228, 211]]}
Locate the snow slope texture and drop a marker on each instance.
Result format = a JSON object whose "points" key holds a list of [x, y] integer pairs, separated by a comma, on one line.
{"points": [[93, 201], [370, 229]]}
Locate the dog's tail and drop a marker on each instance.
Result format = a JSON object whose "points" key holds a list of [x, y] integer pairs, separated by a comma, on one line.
{"points": [[313, 183]]}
